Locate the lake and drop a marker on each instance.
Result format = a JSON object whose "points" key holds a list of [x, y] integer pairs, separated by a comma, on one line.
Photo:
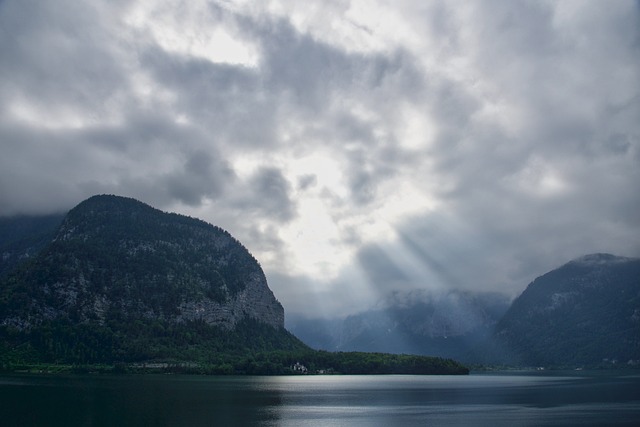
{"points": [[498, 399]]}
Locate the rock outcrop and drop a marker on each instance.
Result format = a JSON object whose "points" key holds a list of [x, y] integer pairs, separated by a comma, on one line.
{"points": [[115, 257], [255, 301]]}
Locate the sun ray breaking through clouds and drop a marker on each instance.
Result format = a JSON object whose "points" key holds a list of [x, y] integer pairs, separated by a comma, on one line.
{"points": [[356, 148]]}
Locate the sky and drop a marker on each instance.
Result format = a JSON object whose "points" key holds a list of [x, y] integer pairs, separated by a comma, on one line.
{"points": [[356, 148]]}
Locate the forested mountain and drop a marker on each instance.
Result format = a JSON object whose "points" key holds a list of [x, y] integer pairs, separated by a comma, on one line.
{"points": [[124, 280], [117, 257], [119, 282], [586, 312]]}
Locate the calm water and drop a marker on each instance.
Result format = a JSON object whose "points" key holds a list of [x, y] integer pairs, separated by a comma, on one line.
{"points": [[155, 400]]}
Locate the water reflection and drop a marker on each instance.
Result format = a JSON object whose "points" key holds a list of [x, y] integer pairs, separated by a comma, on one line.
{"points": [[135, 401], [148, 400]]}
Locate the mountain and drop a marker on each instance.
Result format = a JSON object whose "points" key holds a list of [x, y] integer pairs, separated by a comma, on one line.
{"points": [[22, 237], [447, 324], [121, 280], [587, 312], [121, 285]]}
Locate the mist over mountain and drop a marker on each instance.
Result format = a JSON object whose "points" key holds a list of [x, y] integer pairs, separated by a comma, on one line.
{"points": [[445, 324], [22, 237], [585, 313]]}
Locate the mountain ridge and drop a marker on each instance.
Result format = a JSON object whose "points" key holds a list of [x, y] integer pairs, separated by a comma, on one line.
{"points": [[126, 281], [123, 281], [581, 313], [586, 312], [201, 271]]}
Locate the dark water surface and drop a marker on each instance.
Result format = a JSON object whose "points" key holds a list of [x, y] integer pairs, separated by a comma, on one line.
{"points": [[584, 398]]}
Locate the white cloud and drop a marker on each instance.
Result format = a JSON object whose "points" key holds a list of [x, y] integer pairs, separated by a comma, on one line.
{"points": [[344, 142], [193, 29]]}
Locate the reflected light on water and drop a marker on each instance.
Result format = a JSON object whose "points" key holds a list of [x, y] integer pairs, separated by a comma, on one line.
{"points": [[523, 399]]}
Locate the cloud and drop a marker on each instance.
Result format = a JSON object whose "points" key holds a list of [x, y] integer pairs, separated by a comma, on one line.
{"points": [[355, 150], [269, 195]]}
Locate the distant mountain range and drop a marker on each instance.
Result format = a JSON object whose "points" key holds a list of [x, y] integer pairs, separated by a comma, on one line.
{"points": [[117, 280], [585, 313], [443, 324]]}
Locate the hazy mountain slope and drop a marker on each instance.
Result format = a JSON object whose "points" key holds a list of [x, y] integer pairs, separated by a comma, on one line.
{"points": [[22, 237], [581, 313], [439, 324]]}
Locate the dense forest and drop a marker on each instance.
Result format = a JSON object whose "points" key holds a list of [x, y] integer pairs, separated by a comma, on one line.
{"points": [[251, 348]]}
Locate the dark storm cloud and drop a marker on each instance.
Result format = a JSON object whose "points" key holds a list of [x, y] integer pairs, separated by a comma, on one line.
{"points": [[541, 71], [316, 77], [306, 71], [146, 157], [270, 195], [200, 177], [227, 100], [63, 52], [35, 168], [65, 66]]}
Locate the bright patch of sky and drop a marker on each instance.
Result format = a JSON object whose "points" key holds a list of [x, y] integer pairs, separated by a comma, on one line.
{"points": [[355, 147], [190, 28]]}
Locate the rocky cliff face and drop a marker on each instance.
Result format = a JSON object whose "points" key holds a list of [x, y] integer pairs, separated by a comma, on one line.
{"points": [[115, 257], [255, 301]]}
